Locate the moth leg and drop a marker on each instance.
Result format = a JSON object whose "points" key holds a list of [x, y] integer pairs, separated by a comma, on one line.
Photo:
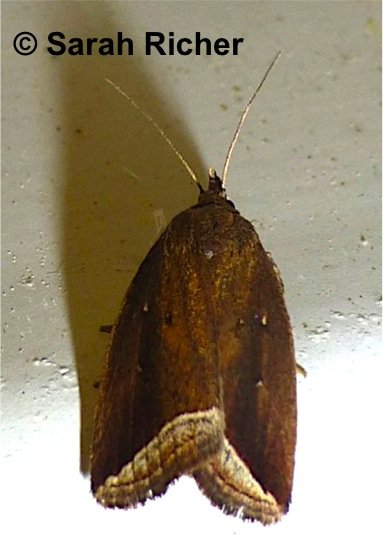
{"points": [[300, 370], [107, 328]]}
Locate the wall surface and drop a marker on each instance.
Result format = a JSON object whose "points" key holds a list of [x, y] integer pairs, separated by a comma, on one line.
{"points": [[87, 184]]}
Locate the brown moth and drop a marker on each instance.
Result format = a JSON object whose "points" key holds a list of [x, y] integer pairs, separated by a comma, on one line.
{"points": [[200, 376]]}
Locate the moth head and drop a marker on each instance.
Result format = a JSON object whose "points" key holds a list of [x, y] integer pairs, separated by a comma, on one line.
{"points": [[216, 184], [215, 193]]}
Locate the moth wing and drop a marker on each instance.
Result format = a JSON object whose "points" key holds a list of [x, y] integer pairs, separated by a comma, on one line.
{"points": [[253, 473], [160, 409], [201, 373]]}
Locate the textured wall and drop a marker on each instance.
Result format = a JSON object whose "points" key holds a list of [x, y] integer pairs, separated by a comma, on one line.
{"points": [[86, 186]]}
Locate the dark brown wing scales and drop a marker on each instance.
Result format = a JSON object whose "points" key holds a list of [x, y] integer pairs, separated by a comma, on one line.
{"points": [[200, 376], [259, 385], [160, 410], [256, 367]]}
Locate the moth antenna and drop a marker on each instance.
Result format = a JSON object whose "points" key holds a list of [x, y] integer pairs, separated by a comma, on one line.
{"points": [[242, 119], [160, 131]]}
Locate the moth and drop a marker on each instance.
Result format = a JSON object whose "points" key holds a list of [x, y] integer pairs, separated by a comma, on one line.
{"points": [[200, 376]]}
